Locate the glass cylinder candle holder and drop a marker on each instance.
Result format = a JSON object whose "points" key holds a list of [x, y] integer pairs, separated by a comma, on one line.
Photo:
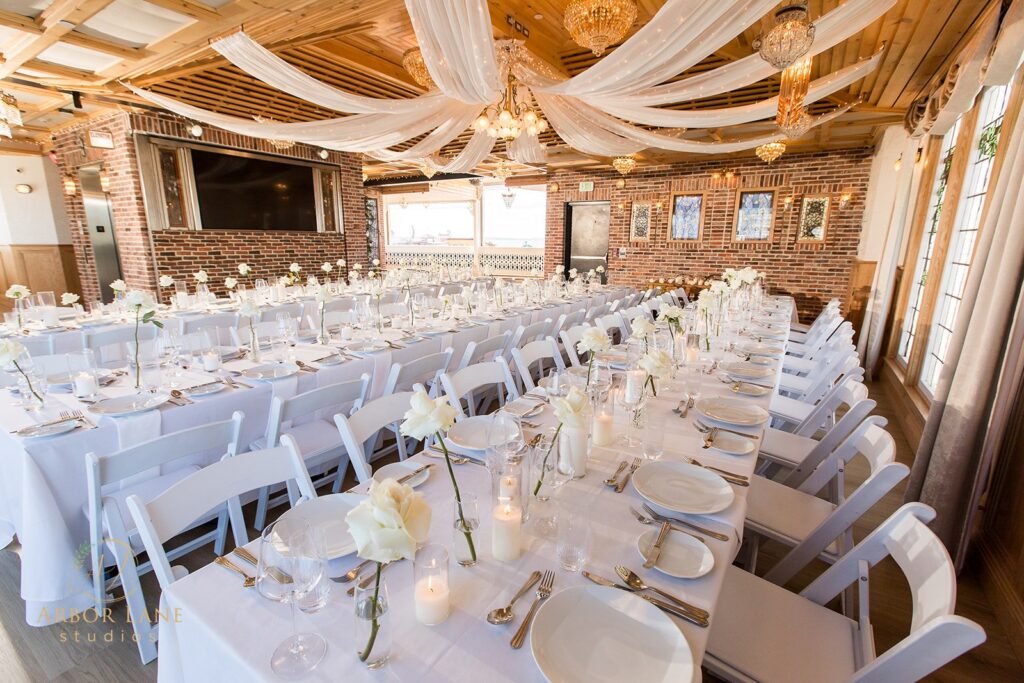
{"points": [[431, 594], [603, 430]]}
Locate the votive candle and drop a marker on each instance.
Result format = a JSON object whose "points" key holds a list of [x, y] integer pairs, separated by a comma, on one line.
{"points": [[507, 532]]}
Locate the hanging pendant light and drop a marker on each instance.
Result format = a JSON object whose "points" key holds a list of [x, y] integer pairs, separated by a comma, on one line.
{"points": [[276, 143], [792, 117], [508, 196], [770, 151], [502, 171], [428, 171], [513, 115], [413, 62], [596, 24], [789, 39], [624, 164]]}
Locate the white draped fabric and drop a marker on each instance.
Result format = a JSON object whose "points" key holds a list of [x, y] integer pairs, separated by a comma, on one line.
{"points": [[581, 133], [455, 38], [830, 29], [475, 151], [526, 149], [432, 143], [1008, 51], [257, 61]]}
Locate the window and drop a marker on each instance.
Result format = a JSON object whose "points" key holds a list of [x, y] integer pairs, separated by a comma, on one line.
{"points": [[965, 230], [923, 261], [431, 223], [513, 216]]}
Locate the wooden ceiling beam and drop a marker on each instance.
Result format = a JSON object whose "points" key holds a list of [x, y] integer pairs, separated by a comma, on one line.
{"points": [[355, 57], [54, 22], [80, 39], [59, 70]]}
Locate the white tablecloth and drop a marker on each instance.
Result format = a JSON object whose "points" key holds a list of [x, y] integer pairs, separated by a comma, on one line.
{"points": [[43, 483], [221, 631]]}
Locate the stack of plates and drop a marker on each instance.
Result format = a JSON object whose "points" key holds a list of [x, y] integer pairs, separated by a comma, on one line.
{"points": [[732, 411], [129, 405], [271, 371], [328, 514], [748, 370]]}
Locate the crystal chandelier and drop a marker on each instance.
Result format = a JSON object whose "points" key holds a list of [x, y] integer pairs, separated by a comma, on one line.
{"points": [[792, 117], [513, 116], [276, 143], [624, 164], [770, 151], [596, 24], [508, 196], [502, 171], [413, 62], [789, 39], [9, 114], [796, 125]]}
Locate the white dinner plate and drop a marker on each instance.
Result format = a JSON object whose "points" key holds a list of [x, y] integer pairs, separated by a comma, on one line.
{"points": [[682, 555], [271, 371], [333, 359], [367, 346], [681, 487], [746, 388], [38, 431], [766, 332], [397, 470], [130, 404], [733, 444], [205, 389], [470, 432], [763, 361], [598, 634], [748, 370], [227, 352], [66, 379], [328, 513], [96, 322], [732, 411], [754, 349]]}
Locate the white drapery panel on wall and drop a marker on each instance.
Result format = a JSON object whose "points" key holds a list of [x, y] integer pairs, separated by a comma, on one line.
{"points": [[680, 35], [1008, 52], [457, 43], [257, 61], [830, 30], [730, 116]]}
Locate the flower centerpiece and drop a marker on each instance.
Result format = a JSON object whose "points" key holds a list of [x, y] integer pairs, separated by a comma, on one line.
{"points": [[593, 340], [144, 309], [19, 293], [657, 364], [68, 299], [435, 416], [10, 352], [673, 315], [327, 268], [573, 414], [201, 277], [166, 281], [386, 526], [230, 283], [641, 329]]}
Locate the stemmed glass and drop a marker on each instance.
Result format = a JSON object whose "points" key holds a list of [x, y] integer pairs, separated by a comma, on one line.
{"points": [[291, 565]]}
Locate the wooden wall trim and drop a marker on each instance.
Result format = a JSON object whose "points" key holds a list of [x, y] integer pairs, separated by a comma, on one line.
{"points": [[911, 408]]}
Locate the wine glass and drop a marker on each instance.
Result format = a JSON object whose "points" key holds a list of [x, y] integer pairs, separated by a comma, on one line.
{"points": [[291, 564], [505, 440]]}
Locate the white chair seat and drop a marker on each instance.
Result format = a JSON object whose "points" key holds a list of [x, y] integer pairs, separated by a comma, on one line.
{"points": [[314, 439], [784, 447], [798, 385], [764, 630], [789, 409], [783, 513], [799, 327], [795, 364]]}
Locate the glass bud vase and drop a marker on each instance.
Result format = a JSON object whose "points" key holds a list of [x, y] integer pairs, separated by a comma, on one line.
{"points": [[574, 448], [254, 344], [373, 622]]}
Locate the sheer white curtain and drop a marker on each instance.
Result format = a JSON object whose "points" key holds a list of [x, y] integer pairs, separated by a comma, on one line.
{"points": [[526, 149], [457, 43], [476, 150], [432, 143]]}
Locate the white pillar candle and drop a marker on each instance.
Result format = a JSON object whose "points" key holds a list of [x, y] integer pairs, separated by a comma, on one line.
{"points": [[432, 600], [85, 384], [604, 429], [572, 448], [505, 535], [692, 355], [211, 361], [634, 385], [508, 486]]}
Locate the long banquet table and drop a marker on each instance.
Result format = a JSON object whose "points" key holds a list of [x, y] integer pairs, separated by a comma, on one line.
{"points": [[222, 631], [43, 481]]}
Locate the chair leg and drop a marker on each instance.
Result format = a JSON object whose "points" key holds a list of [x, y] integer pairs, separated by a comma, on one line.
{"points": [[261, 509], [135, 601], [99, 588]]}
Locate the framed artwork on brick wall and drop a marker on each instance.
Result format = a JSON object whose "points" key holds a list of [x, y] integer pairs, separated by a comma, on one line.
{"points": [[755, 215], [687, 218], [814, 214], [640, 222]]}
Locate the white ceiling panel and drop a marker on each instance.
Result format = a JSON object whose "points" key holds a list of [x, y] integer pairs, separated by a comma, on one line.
{"points": [[77, 57], [134, 23], [28, 8]]}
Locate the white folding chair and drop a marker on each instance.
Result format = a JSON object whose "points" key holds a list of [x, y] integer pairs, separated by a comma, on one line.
{"points": [[114, 539], [219, 320], [315, 436], [174, 510], [488, 349], [102, 341], [360, 429], [525, 334], [790, 411], [800, 329], [813, 527], [821, 378], [615, 326], [839, 344], [39, 345], [570, 338], [762, 632], [538, 352], [817, 338], [271, 313], [492, 374]]}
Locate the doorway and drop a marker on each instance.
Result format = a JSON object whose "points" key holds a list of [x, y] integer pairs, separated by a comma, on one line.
{"points": [[586, 236], [99, 222]]}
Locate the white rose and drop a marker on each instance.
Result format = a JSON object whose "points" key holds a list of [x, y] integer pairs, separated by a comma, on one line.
{"points": [[19, 291], [244, 269], [10, 351], [284, 280], [327, 267], [656, 363], [593, 339], [641, 327], [166, 280], [118, 286], [295, 267], [376, 262], [571, 410], [201, 276], [718, 287], [371, 274], [559, 269], [672, 313], [357, 266], [353, 275], [249, 309], [600, 269], [140, 299], [427, 416], [68, 299], [340, 263], [389, 523], [679, 280], [573, 272], [230, 282]]}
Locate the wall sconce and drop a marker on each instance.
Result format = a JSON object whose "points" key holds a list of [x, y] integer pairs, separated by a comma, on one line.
{"points": [[554, 187], [787, 203], [23, 188], [716, 175], [195, 130], [729, 175], [621, 206], [69, 186], [657, 207], [104, 182], [324, 154], [844, 199], [620, 183]]}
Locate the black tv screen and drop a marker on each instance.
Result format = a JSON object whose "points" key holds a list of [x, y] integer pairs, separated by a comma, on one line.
{"points": [[243, 193]]}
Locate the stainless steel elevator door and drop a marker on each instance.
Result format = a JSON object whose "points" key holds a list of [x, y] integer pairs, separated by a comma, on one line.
{"points": [[99, 221], [588, 235]]}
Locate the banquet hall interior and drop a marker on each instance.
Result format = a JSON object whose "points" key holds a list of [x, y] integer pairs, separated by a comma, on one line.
{"points": [[535, 340]]}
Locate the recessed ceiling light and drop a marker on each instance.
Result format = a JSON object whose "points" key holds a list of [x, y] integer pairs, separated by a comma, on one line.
{"points": [[538, 16]]}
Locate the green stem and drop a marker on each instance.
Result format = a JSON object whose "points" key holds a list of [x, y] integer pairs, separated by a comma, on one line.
{"points": [[544, 464], [654, 390], [458, 499], [138, 369], [590, 366], [375, 626], [28, 381]]}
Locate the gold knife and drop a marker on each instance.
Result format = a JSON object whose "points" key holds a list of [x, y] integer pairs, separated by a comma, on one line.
{"points": [[655, 551], [660, 604], [275, 573]]}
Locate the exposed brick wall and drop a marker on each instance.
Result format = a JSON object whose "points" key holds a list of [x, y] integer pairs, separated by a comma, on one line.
{"points": [[146, 254], [812, 273]]}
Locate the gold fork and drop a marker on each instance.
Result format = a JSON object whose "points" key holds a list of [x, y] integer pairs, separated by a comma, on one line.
{"points": [[543, 593], [625, 479]]}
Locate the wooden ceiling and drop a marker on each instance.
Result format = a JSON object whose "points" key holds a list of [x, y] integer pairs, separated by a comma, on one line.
{"points": [[51, 48]]}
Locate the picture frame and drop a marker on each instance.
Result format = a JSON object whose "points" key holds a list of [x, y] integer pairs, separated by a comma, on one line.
{"points": [[686, 216], [755, 215], [815, 211], [640, 218]]}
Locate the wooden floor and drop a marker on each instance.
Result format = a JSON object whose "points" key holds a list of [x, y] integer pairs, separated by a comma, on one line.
{"points": [[86, 653]]}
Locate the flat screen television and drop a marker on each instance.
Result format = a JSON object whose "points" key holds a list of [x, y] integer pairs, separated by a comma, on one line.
{"points": [[245, 193]]}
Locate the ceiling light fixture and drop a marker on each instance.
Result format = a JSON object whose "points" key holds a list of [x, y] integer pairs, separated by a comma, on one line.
{"points": [[513, 116], [596, 24], [502, 171], [413, 62], [195, 130], [789, 39], [792, 117], [508, 196], [10, 115], [276, 143], [624, 164], [770, 151]]}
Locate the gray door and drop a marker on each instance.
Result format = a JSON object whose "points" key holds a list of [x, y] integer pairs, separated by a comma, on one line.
{"points": [[587, 241], [100, 223]]}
